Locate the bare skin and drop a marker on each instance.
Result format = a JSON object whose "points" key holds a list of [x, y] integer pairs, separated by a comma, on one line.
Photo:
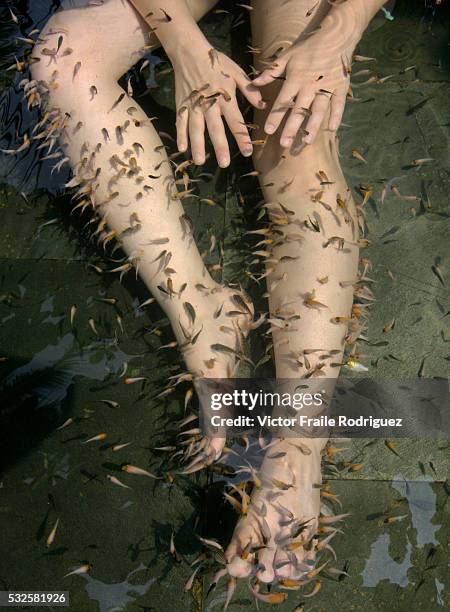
{"points": [[125, 176], [289, 174], [122, 169]]}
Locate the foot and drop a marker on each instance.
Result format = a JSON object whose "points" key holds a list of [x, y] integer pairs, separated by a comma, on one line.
{"points": [[275, 538]]}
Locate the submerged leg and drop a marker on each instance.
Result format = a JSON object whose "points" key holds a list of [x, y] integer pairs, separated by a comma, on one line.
{"points": [[121, 171], [312, 273]]}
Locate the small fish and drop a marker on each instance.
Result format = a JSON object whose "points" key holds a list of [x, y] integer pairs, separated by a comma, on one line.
{"points": [[389, 327], [356, 365], [394, 519], [311, 302], [13, 17], [92, 326], [132, 469], [190, 310], [413, 109], [118, 447], [310, 11], [391, 446], [147, 302], [131, 381], [231, 588], [52, 534], [324, 180], [117, 102], [76, 70], [270, 598], [358, 155], [98, 437], [328, 520], [73, 311], [83, 569], [437, 271], [117, 482], [210, 543], [187, 398], [284, 486], [419, 162], [190, 582], [66, 424], [315, 590], [213, 56], [111, 403], [168, 18], [93, 91]]}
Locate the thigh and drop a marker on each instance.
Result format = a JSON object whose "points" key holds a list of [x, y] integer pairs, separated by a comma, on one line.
{"points": [[276, 25], [109, 38]]}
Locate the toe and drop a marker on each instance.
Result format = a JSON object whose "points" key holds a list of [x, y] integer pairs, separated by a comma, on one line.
{"points": [[232, 550], [290, 565], [216, 447], [283, 566], [239, 568], [266, 559]]}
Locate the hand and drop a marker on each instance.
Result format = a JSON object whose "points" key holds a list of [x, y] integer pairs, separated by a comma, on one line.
{"points": [[205, 90], [317, 73]]}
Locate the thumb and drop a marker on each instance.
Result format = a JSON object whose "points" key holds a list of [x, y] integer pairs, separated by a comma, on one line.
{"points": [[248, 89], [270, 74]]}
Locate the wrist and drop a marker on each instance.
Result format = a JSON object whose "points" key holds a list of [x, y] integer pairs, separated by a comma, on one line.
{"points": [[349, 20], [194, 44]]}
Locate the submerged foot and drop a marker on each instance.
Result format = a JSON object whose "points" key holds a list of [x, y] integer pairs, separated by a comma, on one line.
{"points": [[275, 536]]}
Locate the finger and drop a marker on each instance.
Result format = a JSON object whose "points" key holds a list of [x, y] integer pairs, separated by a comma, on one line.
{"points": [[236, 123], [282, 104], [337, 108], [217, 135], [182, 128], [270, 74], [296, 118], [250, 91], [318, 110], [197, 136]]}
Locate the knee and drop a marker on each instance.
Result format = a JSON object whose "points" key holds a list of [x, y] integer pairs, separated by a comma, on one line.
{"points": [[61, 50], [98, 42], [300, 159]]}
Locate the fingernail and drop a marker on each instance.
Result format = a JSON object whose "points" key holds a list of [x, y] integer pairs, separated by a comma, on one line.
{"points": [[198, 159], [270, 129], [248, 151], [224, 161], [286, 141]]}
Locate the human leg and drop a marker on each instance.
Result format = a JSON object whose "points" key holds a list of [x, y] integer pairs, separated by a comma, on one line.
{"points": [[122, 173], [311, 276]]}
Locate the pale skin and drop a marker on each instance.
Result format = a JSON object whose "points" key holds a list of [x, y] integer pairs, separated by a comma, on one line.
{"points": [[135, 195]]}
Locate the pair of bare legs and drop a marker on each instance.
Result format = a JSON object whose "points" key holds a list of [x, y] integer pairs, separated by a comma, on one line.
{"points": [[121, 170]]}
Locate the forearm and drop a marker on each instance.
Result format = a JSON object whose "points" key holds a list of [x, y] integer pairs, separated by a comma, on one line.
{"points": [[173, 23], [351, 17]]}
